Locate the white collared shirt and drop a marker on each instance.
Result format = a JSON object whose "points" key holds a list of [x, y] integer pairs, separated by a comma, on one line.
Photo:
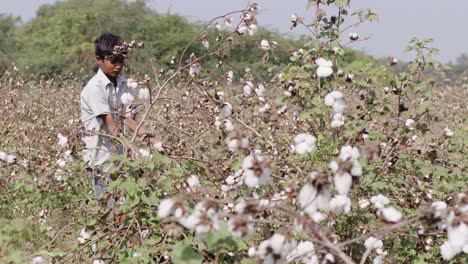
{"points": [[99, 97]]}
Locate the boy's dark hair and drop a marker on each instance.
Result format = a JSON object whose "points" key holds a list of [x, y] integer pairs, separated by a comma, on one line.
{"points": [[105, 44]]}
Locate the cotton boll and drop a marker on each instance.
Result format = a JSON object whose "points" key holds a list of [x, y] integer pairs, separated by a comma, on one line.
{"points": [[447, 251], [340, 204], [390, 214], [343, 183], [193, 182], [144, 95], [321, 62], [356, 170], [62, 140], [264, 108], [228, 21], [339, 106], [410, 124], [226, 110], [379, 201], [353, 36], [165, 208], [457, 235], [144, 153], [132, 84], [229, 127], [3, 156], [364, 203], [252, 28], [260, 90], [333, 166], [248, 86], [448, 132], [127, 98], [265, 45], [304, 143], [10, 159], [373, 243], [378, 260], [306, 195], [38, 260], [329, 99], [323, 72], [251, 180], [439, 208]]}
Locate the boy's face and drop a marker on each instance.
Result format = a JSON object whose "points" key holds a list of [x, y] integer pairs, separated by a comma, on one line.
{"points": [[111, 65]]}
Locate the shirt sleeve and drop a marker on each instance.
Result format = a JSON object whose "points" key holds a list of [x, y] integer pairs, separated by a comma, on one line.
{"points": [[97, 101]]}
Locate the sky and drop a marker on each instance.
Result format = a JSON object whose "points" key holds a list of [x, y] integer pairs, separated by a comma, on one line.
{"points": [[399, 20]]}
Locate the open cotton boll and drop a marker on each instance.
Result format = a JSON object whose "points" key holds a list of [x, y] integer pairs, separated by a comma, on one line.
{"points": [[3, 156], [448, 132], [331, 97], [165, 207], [248, 87], [144, 152], [457, 235], [62, 140], [132, 84], [343, 183], [307, 194], [127, 98], [226, 110], [144, 95], [324, 67], [339, 106], [379, 201], [11, 159], [193, 182], [252, 28], [447, 251], [324, 71], [38, 260], [390, 214], [409, 123], [340, 204], [265, 45], [321, 62], [260, 90], [304, 143], [373, 243]]}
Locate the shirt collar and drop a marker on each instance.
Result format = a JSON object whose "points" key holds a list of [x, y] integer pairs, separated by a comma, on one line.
{"points": [[103, 79]]}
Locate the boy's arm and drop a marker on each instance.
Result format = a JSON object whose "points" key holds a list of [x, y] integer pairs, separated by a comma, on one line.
{"points": [[111, 125]]}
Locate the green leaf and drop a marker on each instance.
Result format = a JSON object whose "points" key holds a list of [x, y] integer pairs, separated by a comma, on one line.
{"points": [[183, 253], [342, 2]]}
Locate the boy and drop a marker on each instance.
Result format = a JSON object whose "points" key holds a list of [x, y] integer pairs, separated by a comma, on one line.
{"points": [[101, 103]]}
